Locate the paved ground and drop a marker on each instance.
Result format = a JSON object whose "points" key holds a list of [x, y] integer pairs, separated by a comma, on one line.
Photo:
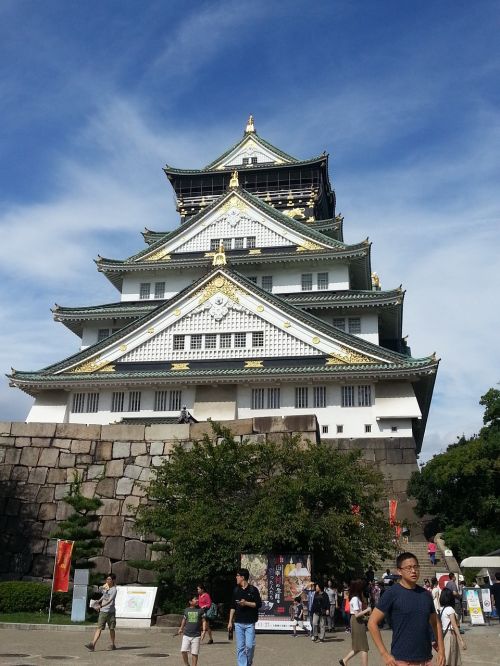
{"points": [[45, 646]]}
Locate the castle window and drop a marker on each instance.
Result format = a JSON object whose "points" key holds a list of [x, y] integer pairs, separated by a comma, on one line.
{"points": [[78, 404], [253, 160], [175, 401], [245, 161], [364, 396], [319, 396], [251, 241], [324, 430], [252, 278], [340, 429], [214, 244], [211, 341], [347, 396], [196, 341], [225, 340], [240, 339], [257, 398], [273, 398], [354, 325], [239, 243], [368, 427], [301, 397], [179, 342], [144, 291], [102, 334], [394, 428], [93, 403], [117, 400], [322, 280], [339, 322], [307, 281], [258, 339], [160, 401], [159, 290], [134, 401], [267, 282]]}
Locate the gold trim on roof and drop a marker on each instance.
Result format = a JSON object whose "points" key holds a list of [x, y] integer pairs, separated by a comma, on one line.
{"points": [[94, 365], [250, 128], [160, 254], [107, 368], [348, 357], [295, 213], [179, 366], [254, 364], [234, 202], [308, 245], [254, 251], [218, 285], [219, 258]]}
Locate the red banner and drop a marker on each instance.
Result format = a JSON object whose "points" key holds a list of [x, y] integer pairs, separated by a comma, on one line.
{"points": [[63, 565], [393, 506]]}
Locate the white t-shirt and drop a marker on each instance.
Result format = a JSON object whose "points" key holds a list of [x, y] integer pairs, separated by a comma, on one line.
{"points": [[356, 605], [436, 593], [446, 614]]}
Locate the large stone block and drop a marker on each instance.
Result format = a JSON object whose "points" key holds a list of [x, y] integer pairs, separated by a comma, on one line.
{"points": [[29, 510], [63, 511], [66, 459], [13, 506], [124, 486], [394, 456], [80, 446], [33, 429], [125, 575], [103, 451], [88, 489], [5, 427], [198, 430], [47, 511], [29, 456], [113, 547], [145, 474], [156, 448], [42, 566], [114, 468], [37, 546], [49, 526], [135, 550], [143, 461], [106, 487], [12, 456], [130, 530], [83, 459], [78, 431], [101, 564], [123, 432], [134, 471], [41, 441], [121, 450], [63, 444], [38, 475], [156, 461], [255, 439], [48, 457], [73, 474], [147, 577], [138, 449], [21, 442], [139, 489], [111, 525], [61, 490], [109, 507], [95, 471], [130, 505], [269, 424], [45, 494], [27, 492], [409, 456], [163, 431], [56, 476]]}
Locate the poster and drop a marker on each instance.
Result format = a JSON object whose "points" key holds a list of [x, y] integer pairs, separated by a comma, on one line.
{"points": [[280, 578], [134, 605], [474, 606], [486, 599]]}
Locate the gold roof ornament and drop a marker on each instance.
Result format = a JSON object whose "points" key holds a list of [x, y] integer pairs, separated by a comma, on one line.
{"points": [[250, 128], [375, 281], [234, 182], [219, 256]]}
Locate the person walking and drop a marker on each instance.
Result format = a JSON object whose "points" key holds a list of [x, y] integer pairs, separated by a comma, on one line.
{"points": [[431, 550], [320, 611], [452, 585], [331, 590], [193, 620], [243, 615], [297, 615], [346, 614], [107, 613], [451, 629], [359, 610], [495, 593], [205, 602], [436, 593], [412, 611]]}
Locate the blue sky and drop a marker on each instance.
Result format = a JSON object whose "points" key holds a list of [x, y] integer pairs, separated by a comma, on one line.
{"points": [[97, 96]]}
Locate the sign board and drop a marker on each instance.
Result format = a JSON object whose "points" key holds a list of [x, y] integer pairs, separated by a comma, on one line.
{"points": [[280, 578], [134, 605], [486, 600], [443, 578], [79, 603], [474, 606]]}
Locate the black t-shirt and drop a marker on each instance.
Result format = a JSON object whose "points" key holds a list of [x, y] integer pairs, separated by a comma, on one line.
{"points": [[246, 614], [410, 610], [495, 593]]}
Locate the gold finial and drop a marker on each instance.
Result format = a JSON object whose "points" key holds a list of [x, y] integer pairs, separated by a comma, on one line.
{"points": [[220, 256], [234, 182], [375, 281], [250, 128]]}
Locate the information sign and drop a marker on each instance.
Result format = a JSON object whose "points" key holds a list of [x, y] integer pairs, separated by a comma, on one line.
{"points": [[474, 606], [134, 605]]}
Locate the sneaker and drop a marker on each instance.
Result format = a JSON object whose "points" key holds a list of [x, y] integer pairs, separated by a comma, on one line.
{"points": [[321, 640], [89, 646], [210, 642], [112, 647], [341, 662]]}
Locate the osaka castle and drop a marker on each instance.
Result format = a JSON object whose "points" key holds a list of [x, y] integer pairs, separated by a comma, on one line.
{"points": [[254, 305]]}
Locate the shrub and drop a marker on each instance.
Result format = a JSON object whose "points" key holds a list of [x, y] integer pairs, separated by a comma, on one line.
{"points": [[23, 596]]}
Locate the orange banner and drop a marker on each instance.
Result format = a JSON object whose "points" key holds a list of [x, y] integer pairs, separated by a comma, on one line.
{"points": [[393, 506], [63, 565]]}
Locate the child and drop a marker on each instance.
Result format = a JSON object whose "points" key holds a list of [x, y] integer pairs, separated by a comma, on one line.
{"points": [[297, 615], [191, 628]]}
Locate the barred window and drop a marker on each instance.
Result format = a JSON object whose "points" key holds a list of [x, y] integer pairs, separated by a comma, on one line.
{"points": [[240, 339], [340, 429], [258, 398], [253, 160], [394, 428], [347, 396], [267, 282], [368, 427], [214, 244], [179, 342], [210, 341], [258, 339], [251, 241], [364, 396], [339, 322], [93, 403], [175, 401], [145, 290], [239, 243], [354, 325], [324, 430], [134, 401], [322, 280], [117, 400], [301, 397], [252, 278], [160, 401], [196, 341], [307, 281], [225, 340], [159, 290], [245, 161], [102, 334], [319, 396], [273, 398], [78, 404]]}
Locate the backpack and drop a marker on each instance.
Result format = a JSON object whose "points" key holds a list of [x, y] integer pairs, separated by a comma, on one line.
{"points": [[211, 612]]}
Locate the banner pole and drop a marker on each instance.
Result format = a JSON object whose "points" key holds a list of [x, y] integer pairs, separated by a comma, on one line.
{"points": [[52, 586]]}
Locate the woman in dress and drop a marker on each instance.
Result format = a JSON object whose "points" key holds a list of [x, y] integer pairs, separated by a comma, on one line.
{"points": [[359, 612], [436, 593], [205, 601], [451, 629]]}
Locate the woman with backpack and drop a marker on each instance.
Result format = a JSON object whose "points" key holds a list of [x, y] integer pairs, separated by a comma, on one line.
{"points": [[360, 610], [451, 629], [205, 602]]}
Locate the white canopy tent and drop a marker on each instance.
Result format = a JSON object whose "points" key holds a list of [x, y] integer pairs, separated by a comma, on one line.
{"points": [[490, 563]]}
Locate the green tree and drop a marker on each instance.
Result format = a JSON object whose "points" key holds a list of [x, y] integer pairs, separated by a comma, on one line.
{"points": [[221, 498], [461, 487], [78, 526]]}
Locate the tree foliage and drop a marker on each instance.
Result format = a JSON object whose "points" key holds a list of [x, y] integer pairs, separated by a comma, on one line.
{"points": [[221, 498], [461, 487]]}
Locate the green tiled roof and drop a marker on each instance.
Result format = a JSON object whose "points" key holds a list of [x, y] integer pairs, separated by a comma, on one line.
{"points": [[241, 167]]}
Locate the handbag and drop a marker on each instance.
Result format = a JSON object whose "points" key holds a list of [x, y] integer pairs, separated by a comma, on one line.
{"points": [[211, 612]]}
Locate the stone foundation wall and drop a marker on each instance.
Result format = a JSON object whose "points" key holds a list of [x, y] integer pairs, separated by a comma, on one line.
{"points": [[38, 461]]}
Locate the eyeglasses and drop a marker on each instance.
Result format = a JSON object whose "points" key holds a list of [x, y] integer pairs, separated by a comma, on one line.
{"points": [[410, 568]]}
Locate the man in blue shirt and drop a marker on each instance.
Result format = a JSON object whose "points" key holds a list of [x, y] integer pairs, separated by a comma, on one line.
{"points": [[412, 611]]}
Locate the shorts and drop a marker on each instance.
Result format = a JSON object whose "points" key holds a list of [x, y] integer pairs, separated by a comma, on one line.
{"points": [[402, 662], [191, 644], [106, 618]]}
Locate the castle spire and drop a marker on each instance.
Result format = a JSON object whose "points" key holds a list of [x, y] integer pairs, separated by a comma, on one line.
{"points": [[250, 128]]}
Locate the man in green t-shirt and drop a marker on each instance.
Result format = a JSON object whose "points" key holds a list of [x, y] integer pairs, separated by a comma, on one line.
{"points": [[193, 621]]}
